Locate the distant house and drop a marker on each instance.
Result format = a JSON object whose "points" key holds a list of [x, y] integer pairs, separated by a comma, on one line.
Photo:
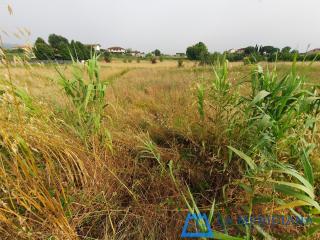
{"points": [[232, 50], [136, 53], [116, 50], [96, 47], [314, 51], [235, 51], [240, 50], [180, 55]]}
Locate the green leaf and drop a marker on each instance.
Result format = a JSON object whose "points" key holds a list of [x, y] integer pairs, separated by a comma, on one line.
{"points": [[245, 157], [212, 211], [294, 186], [88, 95], [308, 171], [266, 235], [293, 204], [222, 236], [294, 173], [313, 230], [260, 96], [247, 188], [292, 192]]}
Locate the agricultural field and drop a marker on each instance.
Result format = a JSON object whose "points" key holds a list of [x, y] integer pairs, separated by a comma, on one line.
{"points": [[126, 150]]}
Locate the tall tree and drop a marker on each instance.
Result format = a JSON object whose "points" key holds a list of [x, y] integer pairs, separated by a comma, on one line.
{"points": [[286, 49], [250, 50], [56, 41], [42, 50], [61, 46], [79, 51], [268, 50], [197, 51], [157, 52]]}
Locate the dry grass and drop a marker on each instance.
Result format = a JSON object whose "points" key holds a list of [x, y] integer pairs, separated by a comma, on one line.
{"points": [[52, 185]]}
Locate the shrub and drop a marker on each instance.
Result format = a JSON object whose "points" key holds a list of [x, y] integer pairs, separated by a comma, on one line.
{"points": [[272, 57], [246, 61], [197, 51], [180, 63], [210, 59], [161, 58], [153, 60], [234, 57], [107, 57]]}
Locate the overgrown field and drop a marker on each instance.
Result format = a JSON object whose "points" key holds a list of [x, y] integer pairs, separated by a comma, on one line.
{"points": [[126, 150]]}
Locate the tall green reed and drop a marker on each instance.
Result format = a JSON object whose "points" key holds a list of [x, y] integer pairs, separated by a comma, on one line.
{"points": [[87, 93], [275, 124]]}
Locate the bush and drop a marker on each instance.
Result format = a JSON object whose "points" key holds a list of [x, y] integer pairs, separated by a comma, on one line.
{"points": [[138, 60], [255, 58], [161, 58], [107, 57], [153, 60], [272, 57], [246, 61], [210, 59], [180, 63], [235, 57], [197, 51], [312, 57]]}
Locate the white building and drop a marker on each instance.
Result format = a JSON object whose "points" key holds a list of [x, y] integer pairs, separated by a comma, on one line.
{"points": [[116, 50], [314, 51], [238, 51], [232, 50], [96, 47], [137, 54]]}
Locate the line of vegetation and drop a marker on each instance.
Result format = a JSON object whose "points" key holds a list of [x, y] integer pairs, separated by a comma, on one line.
{"points": [[251, 54], [59, 48]]}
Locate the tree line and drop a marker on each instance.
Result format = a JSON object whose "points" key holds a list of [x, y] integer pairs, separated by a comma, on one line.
{"points": [[59, 48], [250, 54]]}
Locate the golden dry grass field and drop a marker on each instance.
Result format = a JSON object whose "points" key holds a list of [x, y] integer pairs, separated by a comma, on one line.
{"points": [[153, 154]]}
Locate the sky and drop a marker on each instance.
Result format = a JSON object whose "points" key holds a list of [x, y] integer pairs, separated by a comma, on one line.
{"points": [[168, 25]]}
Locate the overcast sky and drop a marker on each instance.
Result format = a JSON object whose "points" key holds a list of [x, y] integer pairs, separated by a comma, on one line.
{"points": [[170, 25]]}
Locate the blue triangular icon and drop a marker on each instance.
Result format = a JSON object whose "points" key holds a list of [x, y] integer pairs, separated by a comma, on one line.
{"points": [[197, 218]]}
